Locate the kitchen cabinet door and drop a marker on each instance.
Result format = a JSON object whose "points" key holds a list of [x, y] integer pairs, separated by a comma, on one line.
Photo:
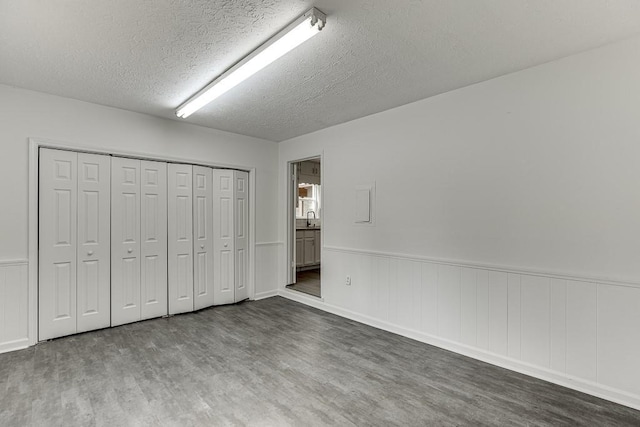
{"points": [[318, 247]]}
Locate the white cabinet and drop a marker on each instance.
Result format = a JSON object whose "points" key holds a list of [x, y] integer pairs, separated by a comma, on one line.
{"points": [[310, 168], [308, 248], [309, 172], [74, 261], [299, 248], [318, 247]]}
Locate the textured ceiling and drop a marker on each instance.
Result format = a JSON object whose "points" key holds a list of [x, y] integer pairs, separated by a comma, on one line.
{"points": [[151, 55]]}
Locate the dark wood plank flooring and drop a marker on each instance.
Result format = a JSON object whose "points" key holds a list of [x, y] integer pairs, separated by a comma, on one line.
{"points": [[274, 362]]}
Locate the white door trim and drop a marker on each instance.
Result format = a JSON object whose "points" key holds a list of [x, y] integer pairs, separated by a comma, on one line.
{"points": [[290, 218], [36, 143]]}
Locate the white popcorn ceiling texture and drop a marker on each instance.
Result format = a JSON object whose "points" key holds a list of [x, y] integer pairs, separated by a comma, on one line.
{"points": [[151, 55]]}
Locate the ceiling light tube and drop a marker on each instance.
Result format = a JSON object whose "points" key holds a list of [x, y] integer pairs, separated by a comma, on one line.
{"points": [[296, 33]]}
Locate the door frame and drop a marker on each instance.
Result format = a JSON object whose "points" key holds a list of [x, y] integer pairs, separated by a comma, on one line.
{"points": [[290, 238], [33, 210]]}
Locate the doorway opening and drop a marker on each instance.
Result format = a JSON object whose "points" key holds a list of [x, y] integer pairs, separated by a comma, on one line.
{"points": [[305, 225]]}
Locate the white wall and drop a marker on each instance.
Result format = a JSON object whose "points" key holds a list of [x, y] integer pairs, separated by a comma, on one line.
{"points": [[507, 220], [25, 114]]}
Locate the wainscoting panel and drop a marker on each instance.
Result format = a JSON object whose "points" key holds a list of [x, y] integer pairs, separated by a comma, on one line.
{"points": [[576, 332], [267, 266], [14, 332]]}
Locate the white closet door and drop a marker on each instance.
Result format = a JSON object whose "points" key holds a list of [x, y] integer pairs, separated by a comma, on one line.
{"points": [[180, 239], [202, 237], [57, 233], [241, 191], [94, 253], [223, 233], [153, 251], [125, 241]]}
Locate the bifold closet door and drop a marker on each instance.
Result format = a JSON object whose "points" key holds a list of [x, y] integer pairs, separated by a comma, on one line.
{"points": [[202, 237], [94, 236], [74, 258], [125, 240], [241, 244], [58, 192], [180, 237], [223, 232], [153, 250]]}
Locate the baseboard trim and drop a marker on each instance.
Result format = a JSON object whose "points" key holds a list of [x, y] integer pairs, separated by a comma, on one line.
{"points": [[591, 388], [263, 295], [20, 344]]}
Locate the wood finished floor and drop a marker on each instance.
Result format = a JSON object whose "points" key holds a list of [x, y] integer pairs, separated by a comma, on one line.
{"points": [[274, 362], [307, 281]]}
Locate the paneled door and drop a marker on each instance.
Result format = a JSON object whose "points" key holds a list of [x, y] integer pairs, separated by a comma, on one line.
{"points": [[74, 243], [153, 240], [224, 233], [180, 237], [125, 240], [241, 244], [202, 237], [94, 241], [58, 243]]}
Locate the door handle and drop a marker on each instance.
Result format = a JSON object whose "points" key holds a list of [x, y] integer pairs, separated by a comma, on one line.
{"points": [[90, 253], [226, 244], [130, 250], [201, 246]]}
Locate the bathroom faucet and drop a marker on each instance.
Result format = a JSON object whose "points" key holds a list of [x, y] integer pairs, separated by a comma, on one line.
{"points": [[314, 217]]}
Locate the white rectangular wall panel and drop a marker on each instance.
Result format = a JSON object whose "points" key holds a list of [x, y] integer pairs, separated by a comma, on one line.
{"points": [[203, 237], [94, 242], [498, 312], [58, 243], [617, 337], [13, 306], [223, 235], [153, 239], [468, 306], [125, 241], [513, 315], [581, 327], [535, 320], [180, 237], [449, 301], [558, 356]]}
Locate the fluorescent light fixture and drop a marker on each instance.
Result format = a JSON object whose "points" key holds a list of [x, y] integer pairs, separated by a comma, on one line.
{"points": [[296, 33]]}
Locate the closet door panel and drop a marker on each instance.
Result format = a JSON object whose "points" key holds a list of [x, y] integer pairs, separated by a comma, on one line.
{"points": [[180, 238], [153, 280], [57, 243], [94, 241], [203, 237], [125, 241], [241, 238], [223, 233]]}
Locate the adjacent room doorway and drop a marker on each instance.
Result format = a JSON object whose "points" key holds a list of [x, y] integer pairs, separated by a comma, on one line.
{"points": [[305, 226]]}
